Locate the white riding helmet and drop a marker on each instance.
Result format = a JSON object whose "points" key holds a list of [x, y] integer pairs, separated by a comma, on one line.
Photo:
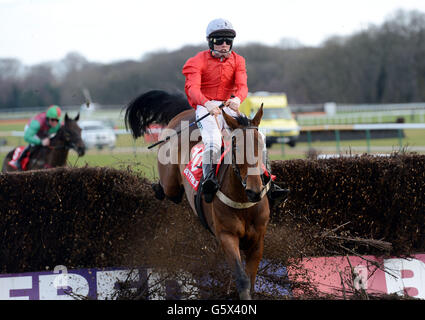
{"points": [[221, 27]]}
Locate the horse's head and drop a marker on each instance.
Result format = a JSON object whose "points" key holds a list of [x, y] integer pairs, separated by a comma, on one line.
{"points": [[70, 135], [247, 146]]}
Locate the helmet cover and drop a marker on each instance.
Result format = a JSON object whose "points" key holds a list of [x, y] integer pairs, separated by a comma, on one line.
{"points": [[53, 112]]}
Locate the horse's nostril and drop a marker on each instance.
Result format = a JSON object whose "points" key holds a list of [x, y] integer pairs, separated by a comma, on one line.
{"points": [[253, 196]]}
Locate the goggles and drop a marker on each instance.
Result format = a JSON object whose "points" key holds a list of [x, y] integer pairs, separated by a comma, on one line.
{"points": [[220, 41]]}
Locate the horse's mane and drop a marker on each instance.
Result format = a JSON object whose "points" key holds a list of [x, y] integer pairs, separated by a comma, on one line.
{"points": [[62, 128], [58, 134], [155, 106], [69, 124]]}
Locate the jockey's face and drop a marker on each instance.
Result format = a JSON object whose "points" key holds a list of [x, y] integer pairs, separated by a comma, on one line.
{"points": [[53, 122], [222, 48]]}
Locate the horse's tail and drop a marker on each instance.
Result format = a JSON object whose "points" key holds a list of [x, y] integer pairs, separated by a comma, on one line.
{"points": [[155, 106]]}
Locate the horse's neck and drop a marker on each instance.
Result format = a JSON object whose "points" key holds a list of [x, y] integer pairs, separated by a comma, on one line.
{"points": [[57, 156], [230, 184]]}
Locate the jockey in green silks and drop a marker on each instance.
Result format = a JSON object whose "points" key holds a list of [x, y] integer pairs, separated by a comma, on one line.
{"points": [[38, 130]]}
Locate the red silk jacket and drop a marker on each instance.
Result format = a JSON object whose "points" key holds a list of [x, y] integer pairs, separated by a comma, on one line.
{"points": [[209, 78]]}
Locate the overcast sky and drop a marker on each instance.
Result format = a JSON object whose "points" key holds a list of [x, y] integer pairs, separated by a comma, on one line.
{"points": [[35, 31]]}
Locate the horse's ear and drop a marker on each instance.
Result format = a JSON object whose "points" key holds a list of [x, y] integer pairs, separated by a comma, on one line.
{"points": [[258, 116], [77, 117], [231, 122], [66, 117]]}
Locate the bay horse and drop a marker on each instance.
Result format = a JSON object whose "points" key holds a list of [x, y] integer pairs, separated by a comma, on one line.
{"points": [[55, 155], [239, 213]]}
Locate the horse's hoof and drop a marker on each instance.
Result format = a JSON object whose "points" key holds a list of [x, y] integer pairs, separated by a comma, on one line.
{"points": [[159, 192]]}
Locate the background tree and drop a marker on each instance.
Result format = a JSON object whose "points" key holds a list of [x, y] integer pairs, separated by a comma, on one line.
{"points": [[380, 64]]}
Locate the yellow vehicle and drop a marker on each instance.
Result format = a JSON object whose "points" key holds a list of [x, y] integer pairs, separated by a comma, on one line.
{"points": [[277, 124]]}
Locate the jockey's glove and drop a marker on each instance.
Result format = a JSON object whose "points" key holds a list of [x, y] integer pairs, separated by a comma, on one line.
{"points": [[45, 142], [234, 103], [213, 107]]}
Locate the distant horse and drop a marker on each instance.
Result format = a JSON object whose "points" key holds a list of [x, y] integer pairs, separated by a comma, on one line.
{"points": [[239, 213], [55, 155]]}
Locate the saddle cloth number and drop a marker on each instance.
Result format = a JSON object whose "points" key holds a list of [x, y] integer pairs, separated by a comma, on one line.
{"points": [[17, 153], [193, 170]]}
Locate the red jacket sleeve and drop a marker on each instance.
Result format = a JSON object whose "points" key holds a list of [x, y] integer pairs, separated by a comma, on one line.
{"points": [[192, 70], [241, 79]]}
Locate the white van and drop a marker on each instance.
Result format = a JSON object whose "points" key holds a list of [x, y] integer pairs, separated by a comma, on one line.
{"points": [[96, 133]]}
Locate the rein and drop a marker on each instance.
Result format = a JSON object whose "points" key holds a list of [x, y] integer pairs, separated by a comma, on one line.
{"points": [[66, 145]]}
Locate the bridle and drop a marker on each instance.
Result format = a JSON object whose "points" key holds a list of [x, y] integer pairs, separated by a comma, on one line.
{"points": [[68, 143], [234, 164], [226, 200]]}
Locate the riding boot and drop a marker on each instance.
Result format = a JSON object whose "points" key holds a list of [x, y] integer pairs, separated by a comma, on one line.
{"points": [[276, 194], [21, 157], [210, 184]]}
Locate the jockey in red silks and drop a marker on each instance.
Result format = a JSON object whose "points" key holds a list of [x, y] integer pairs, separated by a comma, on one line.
{"points": [[38, 130], [212, 77]]}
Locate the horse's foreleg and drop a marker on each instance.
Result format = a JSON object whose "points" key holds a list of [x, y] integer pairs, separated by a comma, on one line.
{"points": [[230, 245], [170, 183], [253, 257]]}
